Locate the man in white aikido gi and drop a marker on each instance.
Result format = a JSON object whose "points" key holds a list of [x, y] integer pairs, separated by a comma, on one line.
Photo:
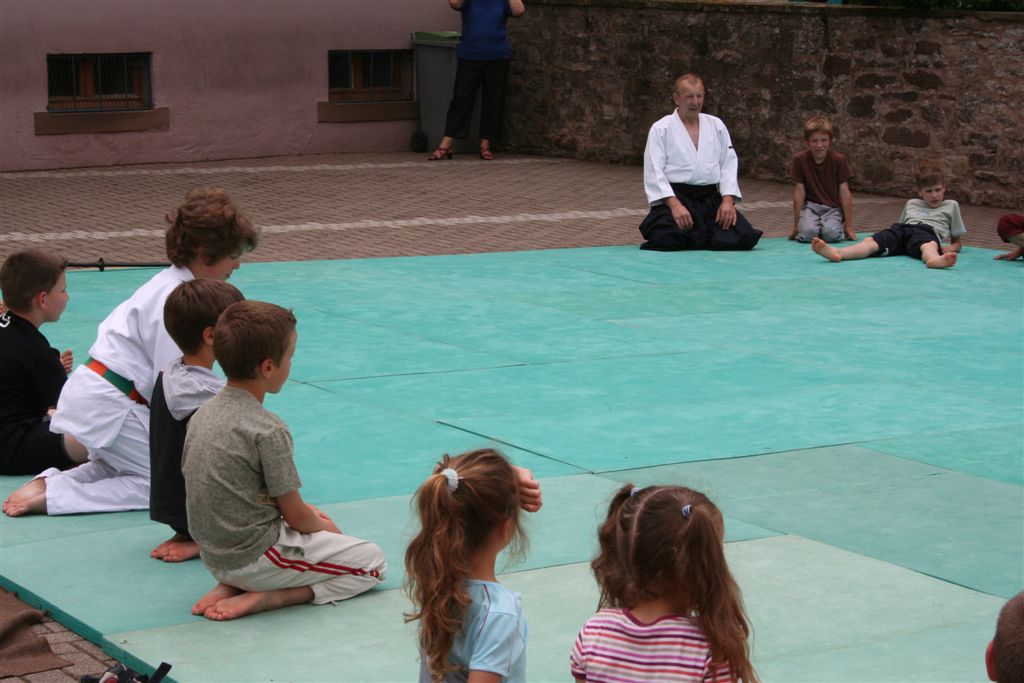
{"points": [[690, 180]]}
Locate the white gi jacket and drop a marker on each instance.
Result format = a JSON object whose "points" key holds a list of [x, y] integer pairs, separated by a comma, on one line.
{"points": [[132, 342], [670, 157]]}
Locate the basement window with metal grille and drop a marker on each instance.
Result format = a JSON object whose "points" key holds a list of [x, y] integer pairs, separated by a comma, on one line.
{"points": [[99, 82], [369, 75]]}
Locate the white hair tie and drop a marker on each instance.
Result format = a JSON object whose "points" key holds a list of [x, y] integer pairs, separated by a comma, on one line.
{"points": [[452, 476]]}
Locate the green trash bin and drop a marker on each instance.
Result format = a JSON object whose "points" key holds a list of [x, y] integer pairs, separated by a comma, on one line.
{"points": [[436, 63]]}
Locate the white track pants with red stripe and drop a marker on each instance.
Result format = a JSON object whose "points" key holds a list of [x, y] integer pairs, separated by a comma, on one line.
{"points": [[335, 566]]}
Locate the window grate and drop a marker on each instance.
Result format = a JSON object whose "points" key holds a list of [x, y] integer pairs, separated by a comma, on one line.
{"points": [[99, 82], [369, 75]]}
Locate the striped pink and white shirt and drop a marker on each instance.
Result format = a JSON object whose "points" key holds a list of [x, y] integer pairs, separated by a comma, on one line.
{"points": [[615, 647]]}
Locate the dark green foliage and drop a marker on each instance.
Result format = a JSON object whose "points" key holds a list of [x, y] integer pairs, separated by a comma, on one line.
{"points": [[985, 5]]}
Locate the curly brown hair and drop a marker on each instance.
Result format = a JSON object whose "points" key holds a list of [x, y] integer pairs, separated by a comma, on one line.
{"points": [[650, 549], [1008, 644], [455, 526], [208, 226]]}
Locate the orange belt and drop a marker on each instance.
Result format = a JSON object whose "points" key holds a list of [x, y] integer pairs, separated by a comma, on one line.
{"points": [[122, 384]]}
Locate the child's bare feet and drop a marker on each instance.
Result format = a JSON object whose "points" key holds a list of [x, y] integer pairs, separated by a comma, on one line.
{"points": [[218, 593], [27, 506], [947, 260], [257, 601], [825, 250], [177, 548], [28, 499], [237, 606], [29, 489], [157, 553]]}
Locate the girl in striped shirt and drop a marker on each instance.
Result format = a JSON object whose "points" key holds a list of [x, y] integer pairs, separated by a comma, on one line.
{"points": [[670, 610]]}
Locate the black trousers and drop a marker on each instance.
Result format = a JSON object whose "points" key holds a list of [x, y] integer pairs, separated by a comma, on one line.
{"points": [[661, 233], [166, 445], [30, 447], [491, 77]]}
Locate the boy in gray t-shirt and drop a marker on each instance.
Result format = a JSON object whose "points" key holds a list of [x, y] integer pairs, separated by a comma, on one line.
{"points": [[266, 547], [924, 225]]}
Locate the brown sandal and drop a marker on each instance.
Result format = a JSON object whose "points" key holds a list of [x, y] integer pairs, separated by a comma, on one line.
{"points": [[440, 154], [486, 154]]}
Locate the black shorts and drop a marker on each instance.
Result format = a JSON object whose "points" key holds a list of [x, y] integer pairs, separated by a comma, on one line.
{"points": [[31, 448], [904, 239]]}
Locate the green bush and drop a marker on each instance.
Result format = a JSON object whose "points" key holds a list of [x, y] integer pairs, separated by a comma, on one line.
{"points": [[985, 5]]}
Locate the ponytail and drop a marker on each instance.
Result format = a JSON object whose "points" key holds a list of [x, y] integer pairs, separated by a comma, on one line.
{"points": [[608, 567], [703, 574], [459, 507]]}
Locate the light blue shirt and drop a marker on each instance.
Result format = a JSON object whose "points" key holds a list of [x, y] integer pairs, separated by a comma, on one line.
{"points": [[493, 636]]}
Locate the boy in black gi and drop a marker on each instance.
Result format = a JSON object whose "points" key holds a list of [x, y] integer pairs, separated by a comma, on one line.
{"points": [[31, 372]]}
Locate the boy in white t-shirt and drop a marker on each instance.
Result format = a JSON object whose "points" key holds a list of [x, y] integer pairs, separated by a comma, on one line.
{"points": [[925, 224], [190, 314]]}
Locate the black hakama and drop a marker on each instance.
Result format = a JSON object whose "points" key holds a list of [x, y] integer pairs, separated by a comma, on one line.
{"points": [[702, 201]]}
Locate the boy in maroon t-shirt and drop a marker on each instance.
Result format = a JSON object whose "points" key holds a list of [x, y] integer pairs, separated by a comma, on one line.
{"points": [[1011, 230], [822, 202]]}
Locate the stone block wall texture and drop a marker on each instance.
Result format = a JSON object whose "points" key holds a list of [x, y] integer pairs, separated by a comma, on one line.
{"points": [[589, 77]]}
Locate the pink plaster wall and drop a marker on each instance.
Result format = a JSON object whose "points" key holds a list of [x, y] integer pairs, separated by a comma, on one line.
{"points": [[241, 77]]}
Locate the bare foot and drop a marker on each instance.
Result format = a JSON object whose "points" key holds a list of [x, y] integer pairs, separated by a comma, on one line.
{"points": [[253, 602], [26, 499], [825, 250], [947, 260], [177, 548], [180, 551], [218, 593], [157, 553], [29, 489], [27, 506]]}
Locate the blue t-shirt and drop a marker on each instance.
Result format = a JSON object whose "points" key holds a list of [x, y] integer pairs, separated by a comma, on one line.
{"points": [[484, 34], [493, 636]]}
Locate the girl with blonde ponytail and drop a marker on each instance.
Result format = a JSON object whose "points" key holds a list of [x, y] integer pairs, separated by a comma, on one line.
{"points": [[670, 610], [471, 627]]}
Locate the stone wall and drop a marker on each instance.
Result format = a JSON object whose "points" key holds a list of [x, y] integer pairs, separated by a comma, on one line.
{"points": [[590, 76]]}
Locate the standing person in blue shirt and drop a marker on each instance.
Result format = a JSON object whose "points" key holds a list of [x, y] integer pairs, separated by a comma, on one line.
{"points": [[484, 56]]}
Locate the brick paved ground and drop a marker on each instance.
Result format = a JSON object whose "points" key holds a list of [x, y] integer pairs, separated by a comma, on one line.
{"points": [[365, 205], [85, 657]]}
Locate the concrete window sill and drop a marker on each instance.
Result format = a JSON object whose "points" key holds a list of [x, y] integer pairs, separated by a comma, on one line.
{"points": [[74, 123], [355, 112]]}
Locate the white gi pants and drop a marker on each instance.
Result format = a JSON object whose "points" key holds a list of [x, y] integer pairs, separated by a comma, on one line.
{"points": [[335, 566], [115, 429], [819, 220]]}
